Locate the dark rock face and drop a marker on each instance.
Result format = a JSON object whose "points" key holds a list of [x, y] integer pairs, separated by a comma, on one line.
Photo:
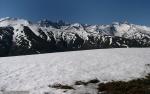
{"points": [[32, 44], [6, 36], [25, 41], [47, 23]]}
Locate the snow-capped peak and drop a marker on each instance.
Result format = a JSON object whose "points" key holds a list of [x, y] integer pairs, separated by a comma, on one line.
{"points": [[8, 21], [115, 23], [76, 25], [5, 18]]}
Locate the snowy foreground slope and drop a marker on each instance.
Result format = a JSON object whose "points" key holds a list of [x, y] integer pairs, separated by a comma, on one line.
{"points": [[35, 72]]}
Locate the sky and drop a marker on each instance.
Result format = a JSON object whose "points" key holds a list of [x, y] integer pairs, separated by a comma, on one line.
{"points": [[82, 11]]}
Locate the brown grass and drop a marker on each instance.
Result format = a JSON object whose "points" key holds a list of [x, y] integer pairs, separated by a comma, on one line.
{"points": [[138, 86]]}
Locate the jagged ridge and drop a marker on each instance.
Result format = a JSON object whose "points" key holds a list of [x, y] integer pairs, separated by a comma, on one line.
{"points": [[19, 36]]}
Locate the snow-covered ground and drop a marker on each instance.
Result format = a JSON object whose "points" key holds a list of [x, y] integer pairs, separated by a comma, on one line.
{"points": [[35, 72]]}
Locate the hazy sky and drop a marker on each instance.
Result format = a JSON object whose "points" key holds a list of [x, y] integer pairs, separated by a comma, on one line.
{"points": [[83, 11]]}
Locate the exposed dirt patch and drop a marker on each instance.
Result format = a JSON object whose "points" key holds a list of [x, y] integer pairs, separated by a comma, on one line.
{"points": [[60, 86], [138, 86]]}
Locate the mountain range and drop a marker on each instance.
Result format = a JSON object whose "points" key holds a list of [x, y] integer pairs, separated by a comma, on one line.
{"points": [[22, 37]]}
